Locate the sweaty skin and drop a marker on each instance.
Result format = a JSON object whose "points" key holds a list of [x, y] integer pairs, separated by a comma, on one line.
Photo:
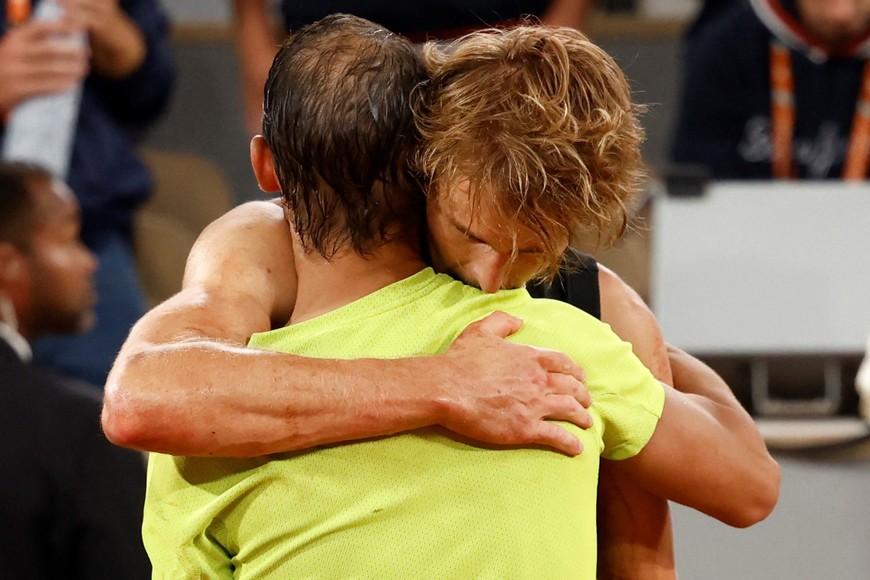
{"points": [[240, 279], [232, 401]]}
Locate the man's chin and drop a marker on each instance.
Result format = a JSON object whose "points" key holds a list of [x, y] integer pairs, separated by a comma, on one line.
{"points": [[85, 322]]}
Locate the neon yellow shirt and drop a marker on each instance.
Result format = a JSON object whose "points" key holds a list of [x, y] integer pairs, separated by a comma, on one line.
{"points": [[421, 504]]}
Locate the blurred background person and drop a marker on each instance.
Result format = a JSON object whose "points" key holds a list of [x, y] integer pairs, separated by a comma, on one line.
{"points": [[777, 89], [128, 74], [259, 28], [862, 383], [70, 502]]}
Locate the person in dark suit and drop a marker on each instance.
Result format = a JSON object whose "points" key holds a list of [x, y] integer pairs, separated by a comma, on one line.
{"points": [[70, 501]]}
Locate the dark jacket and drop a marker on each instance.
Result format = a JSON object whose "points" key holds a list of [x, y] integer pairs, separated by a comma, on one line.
{"points": [[724, 114], [70, 501]]}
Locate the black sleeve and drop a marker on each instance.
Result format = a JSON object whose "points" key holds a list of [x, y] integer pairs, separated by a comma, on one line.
{"points": [[576, 284]]}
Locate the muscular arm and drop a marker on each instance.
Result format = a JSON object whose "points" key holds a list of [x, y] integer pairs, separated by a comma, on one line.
{"points": [[185, 384], [634, 522], [634, 525], [706, 452]]}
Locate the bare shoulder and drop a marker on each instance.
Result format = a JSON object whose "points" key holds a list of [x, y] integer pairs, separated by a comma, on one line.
{"points": [[633, 321], [616, 294], [247, 251]]}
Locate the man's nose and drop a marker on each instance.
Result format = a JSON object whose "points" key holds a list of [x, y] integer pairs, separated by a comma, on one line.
{"points": [[491, 271]]}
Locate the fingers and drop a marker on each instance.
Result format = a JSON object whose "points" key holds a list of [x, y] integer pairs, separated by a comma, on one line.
{"points": [[48, 30], [559, 438], [498, 323], [48, 43], [562, 384], [39, 59], [556, 362], [567, 408]]}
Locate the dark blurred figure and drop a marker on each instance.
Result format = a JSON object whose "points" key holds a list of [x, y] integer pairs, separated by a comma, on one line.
{"points": [[777, 89], [259, 30], [70, 502], [128, 75]]}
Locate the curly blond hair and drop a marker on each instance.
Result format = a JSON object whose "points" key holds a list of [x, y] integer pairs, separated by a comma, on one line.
{"points": [[539, 118]]}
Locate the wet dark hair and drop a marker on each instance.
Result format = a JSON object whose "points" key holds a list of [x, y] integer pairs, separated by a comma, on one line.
{"points": [[337, 119]]}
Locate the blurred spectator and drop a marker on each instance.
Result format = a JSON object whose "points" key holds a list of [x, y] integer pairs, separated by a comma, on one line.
{"points": [[129, 80], [70, 502], [862, 383], [777, 89], [258, 30], [707, 12]]}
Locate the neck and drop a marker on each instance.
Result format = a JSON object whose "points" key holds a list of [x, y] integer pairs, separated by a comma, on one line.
{"points": [[327, 285]]}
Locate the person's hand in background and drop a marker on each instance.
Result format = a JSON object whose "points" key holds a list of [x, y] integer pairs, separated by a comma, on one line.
{"points": [[39, 58]]}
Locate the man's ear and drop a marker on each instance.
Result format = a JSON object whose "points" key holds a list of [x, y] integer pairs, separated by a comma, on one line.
{"points": [[10, 264], [263, 163]]}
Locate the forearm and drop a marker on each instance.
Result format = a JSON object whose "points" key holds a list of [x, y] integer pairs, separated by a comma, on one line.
{"points": [[734, 424], [707, 456], [691, 376], [185, 392], [250, 402]]}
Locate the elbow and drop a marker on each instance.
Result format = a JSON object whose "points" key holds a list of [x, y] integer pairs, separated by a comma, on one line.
{"points": [[761, 499], [122, 422], [132, 414]]}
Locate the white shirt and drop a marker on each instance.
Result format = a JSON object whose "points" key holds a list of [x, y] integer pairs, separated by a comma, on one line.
{"points": [[18, 343]]}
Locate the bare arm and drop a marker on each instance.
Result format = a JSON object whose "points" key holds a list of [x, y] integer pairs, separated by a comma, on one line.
{"points": [[632, 321], [634, 525], [256, 45], [185, 384], [706, 453]]}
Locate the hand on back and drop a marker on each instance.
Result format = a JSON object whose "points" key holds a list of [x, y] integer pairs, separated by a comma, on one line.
{"points": [[504, 393]]}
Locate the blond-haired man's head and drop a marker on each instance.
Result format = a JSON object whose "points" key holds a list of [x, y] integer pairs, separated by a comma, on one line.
{"points": [[529, 140]]}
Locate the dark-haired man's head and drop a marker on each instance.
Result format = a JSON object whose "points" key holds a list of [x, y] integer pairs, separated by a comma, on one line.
{"points": [[45, 270], [339, 133]]}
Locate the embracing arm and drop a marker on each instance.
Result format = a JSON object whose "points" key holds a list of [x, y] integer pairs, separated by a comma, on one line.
{"points": [[635, 535], [185, 384], [706, 452], [703, 414]]}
